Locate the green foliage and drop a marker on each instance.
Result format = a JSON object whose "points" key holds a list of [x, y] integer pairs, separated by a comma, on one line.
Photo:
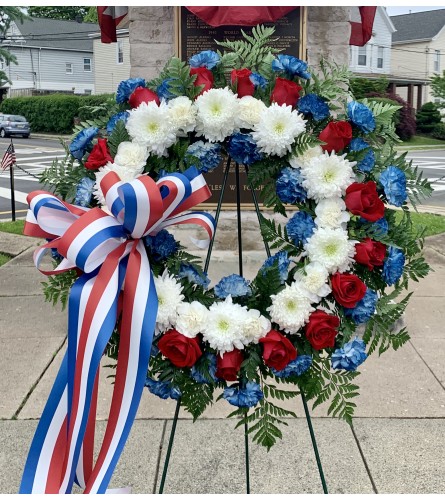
{"points": [[58, 286], [277, 236], [427, 117], [67, 13], [361, 87], [118, 135], [332, 83], [8, 15], [437, 85], [439, 131], [384, 114]]}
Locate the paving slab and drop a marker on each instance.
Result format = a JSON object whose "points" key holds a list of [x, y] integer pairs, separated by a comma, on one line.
{"points": [[432, 352], [404, 456], [430, 286], [20, 281], [13, 244], [24, 259], [425, 318]]}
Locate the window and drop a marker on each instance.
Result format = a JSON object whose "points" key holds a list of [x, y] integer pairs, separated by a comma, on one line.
{"points": [[69, 68], [437, 60], [362, 56], [87, 64], [380, 57], [120, 51]]}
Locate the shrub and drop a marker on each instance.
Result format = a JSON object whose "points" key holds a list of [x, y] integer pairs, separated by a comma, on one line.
{"points": [[428, 117], [361, 87], [439, 131]]}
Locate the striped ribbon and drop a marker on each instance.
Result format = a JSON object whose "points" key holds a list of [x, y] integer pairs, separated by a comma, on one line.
{"points": [[116, 282]]}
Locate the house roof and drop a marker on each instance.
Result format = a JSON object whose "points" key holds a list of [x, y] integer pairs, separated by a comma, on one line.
{"points": [[418, 25]]}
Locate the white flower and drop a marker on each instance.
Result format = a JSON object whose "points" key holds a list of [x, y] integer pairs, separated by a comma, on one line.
{"points": [[249, 111], [327, 175], [170, 296], [256, 326], [217, 114], [150, 125], [313, 280], [182, 113], [131, 155], [290, 308], [191, 318], [331, 212], [277, 129], [125, 173], [331, 248], [299, 160]]}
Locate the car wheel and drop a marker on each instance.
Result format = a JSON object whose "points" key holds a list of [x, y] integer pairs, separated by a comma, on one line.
{"points": [[2, 133], [26, 136]]}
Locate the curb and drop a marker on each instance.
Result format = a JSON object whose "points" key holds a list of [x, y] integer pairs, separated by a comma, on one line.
{"points": [[49, 136]]}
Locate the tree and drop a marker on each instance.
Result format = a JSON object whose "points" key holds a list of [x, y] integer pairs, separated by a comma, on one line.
{"points": [[360, 87], [428, 117], [7, 16], [438, 88], [91, 16], [65, 12]]}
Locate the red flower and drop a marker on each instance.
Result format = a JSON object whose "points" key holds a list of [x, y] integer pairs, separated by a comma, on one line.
{"points": [[228, 366], [142, 94], [179, 349], [285, 92], [347, 289], [99, 155], [204, 77], [337, 136], [240, 78], [362, 199], [370, 253], [321, 329], [278, 351]]}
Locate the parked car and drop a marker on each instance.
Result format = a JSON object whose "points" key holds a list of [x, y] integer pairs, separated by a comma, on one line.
{"points": [[14, 125]]}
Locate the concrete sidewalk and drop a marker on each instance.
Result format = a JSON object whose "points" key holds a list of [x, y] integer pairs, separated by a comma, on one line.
{"points": [[396, 444]]}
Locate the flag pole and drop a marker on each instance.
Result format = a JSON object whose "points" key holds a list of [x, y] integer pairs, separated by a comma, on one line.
{"points": [[11, 180]]}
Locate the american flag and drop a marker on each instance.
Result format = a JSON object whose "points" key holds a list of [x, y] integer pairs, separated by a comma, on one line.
{"points": [[8, 158]]}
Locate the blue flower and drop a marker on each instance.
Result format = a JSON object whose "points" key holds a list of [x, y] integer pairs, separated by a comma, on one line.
{"points": [[243, 149], [361, 116], [393, 181], [84, 192], [296, 367], [364, 309], [393, 265], [162, 245], [379, 228], [199, 377], [300, 227], [313, 104], [233, 285], [123, 115], [208, 154], [289, 186], [191, 274], [245, 397], [164, 91], [81, 142], [283, 264], [350, 356], [163, 390], [291, 65], [368, 162], [258, 80], [205, 59], [127, 87]]}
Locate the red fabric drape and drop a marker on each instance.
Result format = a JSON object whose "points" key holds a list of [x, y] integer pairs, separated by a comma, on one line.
{"points": [[362, 32], [109, 18]]}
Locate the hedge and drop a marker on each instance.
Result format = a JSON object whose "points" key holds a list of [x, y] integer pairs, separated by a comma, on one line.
{"points": [[52, 113]]}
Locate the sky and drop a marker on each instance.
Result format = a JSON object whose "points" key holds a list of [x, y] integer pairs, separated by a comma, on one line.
{"points": [[395, 11]]}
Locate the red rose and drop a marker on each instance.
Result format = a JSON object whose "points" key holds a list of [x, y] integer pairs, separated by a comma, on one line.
{"points": [[204, 77], [321, 329], [228, 366], [99, 155], [285, 92], [278, 351], [337, 136], [142, 94], [370, 253], [347, 289], [241, 79], [362, 199], [179, 349]]}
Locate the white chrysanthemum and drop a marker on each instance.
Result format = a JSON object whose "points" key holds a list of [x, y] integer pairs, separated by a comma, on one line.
{"points": [[256, 327], [300, 160], [191, 318], [125, 173], [217, 114], [327, 175], [331, 248], [277, 129], [313, 280], [131, 155], [290, 308], [170, 296], [249, 111], [331, 212], [182, 114], [224, 329], [150, 125]]}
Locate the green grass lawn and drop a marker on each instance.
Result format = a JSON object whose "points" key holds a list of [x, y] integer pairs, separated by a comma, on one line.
{"points": [[422, 140], [435, 224], [4, 259], [15, 227]]}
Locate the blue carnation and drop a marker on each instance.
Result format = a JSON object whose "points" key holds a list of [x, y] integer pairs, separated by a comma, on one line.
{"points": [[243, 149], [364, 309], [258, 80], [245, 397], [163, 390], [350, 356], [289, 186], [84, 192], [123, 115], [162, 245], [283, 264], [393, 265], [291, 65], [205, 59], [208, 154], [379, 228], [368, 162], [393, 181], [296, 367], [127, 87], [81, 142], [361, 116], [199, 377], [314, 105], [234, 285], [300, 227], [164, 91], [191, 274]]}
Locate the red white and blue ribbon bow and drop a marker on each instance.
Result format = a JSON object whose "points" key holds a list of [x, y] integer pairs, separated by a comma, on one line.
{"points": [[116, 278]]}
